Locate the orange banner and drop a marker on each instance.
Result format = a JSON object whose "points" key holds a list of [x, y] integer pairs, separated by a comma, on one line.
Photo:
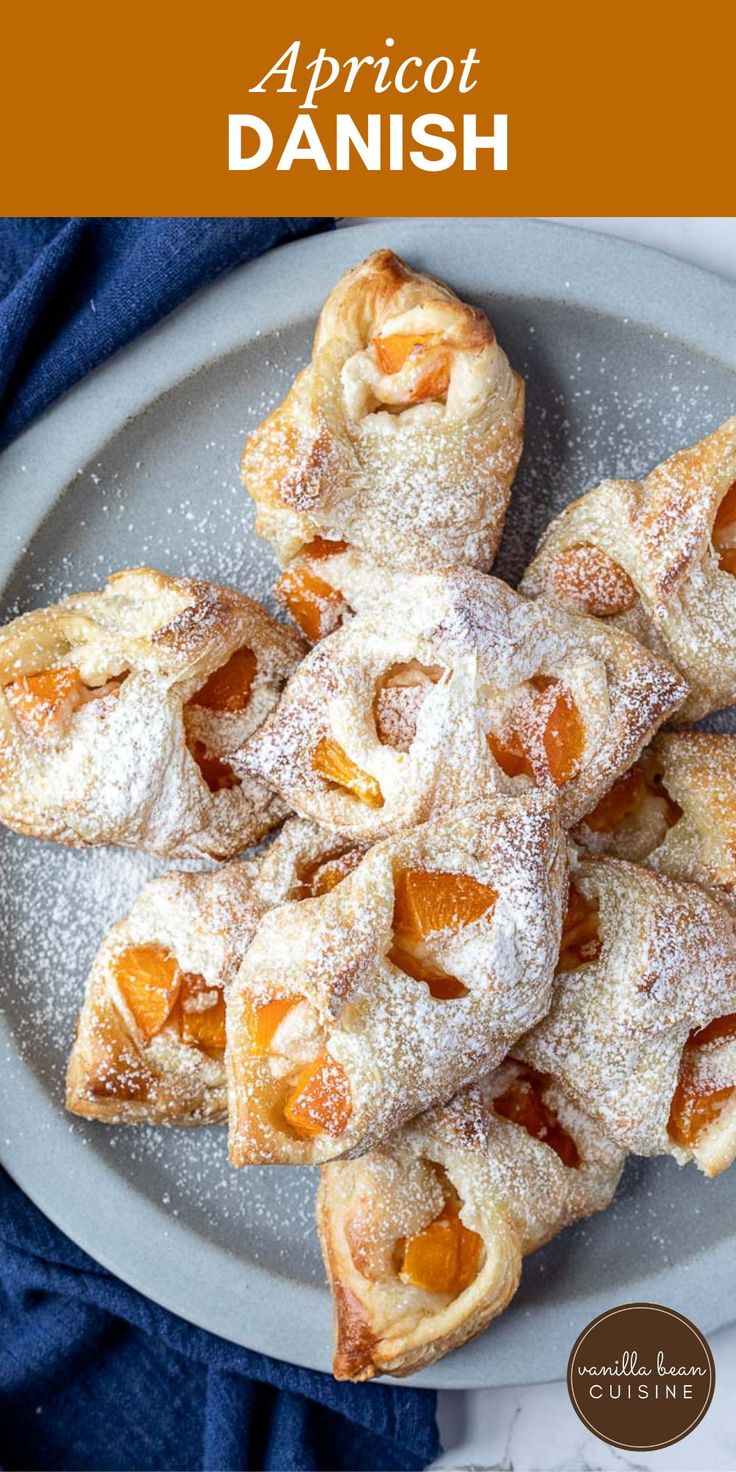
{"points": [[442, 110]]}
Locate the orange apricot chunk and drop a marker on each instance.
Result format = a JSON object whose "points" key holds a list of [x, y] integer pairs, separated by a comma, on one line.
{"points": [[564, 733], [393, 351], [323, 875], [46, 700], [430, 900], [522, 1103], [314, 605], [229, 688], [217, 773], [334, 764], [581, 940], [323, 547], [726, 514], [444, 1257], [585, 577], [727, 560], [693, 1111], [204, 1027], [721, 1027], [620, 802], [442, 986], [509, 755], [320, 1102], [264, 1018], [148, 978]]}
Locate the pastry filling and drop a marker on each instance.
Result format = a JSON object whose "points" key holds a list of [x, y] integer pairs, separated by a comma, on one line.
{"points": [[581, 940], [315, 606], [724, 531], [545, 739], [421, 357], [218, 774], [324, 875], [157, 992], [445, 1256], [623, 803], [523, 1103], [400, 694], [426, 904], [45, 703], [317, 1099], [338, 769], [585, 578], [695, 1107], [229, 688]]}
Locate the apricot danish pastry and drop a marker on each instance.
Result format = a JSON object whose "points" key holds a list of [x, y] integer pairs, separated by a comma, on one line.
{"points": [[118, 710], [658, 558], [674, 810], [401, 437], [423, 1237], [388, 991], [454, 683], [150, 1041], [642, 1028]]}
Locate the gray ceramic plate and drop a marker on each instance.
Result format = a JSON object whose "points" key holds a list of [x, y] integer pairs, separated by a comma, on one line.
{"points": [[627, 355]]}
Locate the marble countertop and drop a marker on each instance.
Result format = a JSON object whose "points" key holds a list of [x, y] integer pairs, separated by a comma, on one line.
{"points": [[533, 1428]]}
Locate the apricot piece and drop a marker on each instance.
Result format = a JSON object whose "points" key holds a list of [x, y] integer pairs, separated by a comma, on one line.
{"points": [[620, 802], [442, 986], [322, 547], [564, 733], [264, 1018], [721, 1027], [726, 513], [523, 1103], [45, 701], [430, 900], [320, 1102], [323, 875], [693, 1111], [148, 978], [217, 773], [204, 1027], [229, 688], [392, 351], [509, 755], [586, 577], [727, 560], [581, 940], [314, 605], [337, 768], [444, 1257]]}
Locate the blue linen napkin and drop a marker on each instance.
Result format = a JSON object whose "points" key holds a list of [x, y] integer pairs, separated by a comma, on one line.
{"points": [[93, 1375]]}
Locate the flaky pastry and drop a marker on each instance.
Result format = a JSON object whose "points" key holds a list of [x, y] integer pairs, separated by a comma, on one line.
{"points": [[423, 1237], [150, 1040], [674, 810], [118, 710], [454, 683], [401, 436], [385, 994], [642, 1027], [659, 559]]}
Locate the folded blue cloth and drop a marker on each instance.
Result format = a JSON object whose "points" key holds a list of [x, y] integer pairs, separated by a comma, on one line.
{"points": [[92, 1375], [72, 291]]}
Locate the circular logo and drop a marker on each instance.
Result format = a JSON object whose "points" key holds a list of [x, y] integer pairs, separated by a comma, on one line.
{"points": [[641, 1377]]}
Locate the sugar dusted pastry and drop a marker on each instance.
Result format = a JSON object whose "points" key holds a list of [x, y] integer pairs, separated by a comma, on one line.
{"points": [[658, 558], [674, 810], [304, 861], [118, 710], [401, 436], [357, 1008], [642, 1028], [423, 1237], [454, 683], [150, 1041]]}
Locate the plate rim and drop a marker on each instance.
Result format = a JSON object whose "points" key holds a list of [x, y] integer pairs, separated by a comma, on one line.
{"points": [[619, 278]]}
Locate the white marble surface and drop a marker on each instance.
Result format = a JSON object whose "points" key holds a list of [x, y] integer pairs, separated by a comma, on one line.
{"points": [[533, 1428]]}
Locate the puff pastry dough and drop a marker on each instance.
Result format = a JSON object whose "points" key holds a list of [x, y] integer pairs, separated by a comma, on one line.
{"points": [[659, 559], [675, 811], [118, 710], [454, 683], [150, 1041], [642, 1028], [423, 1238], [355, 1009], [403, 433]]}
